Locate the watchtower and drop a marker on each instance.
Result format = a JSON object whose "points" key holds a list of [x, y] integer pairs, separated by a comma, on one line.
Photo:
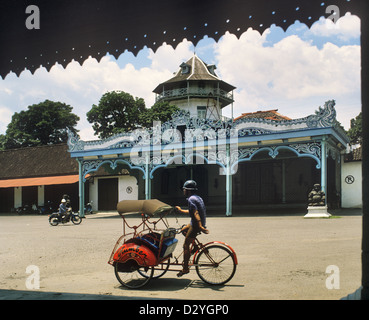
{"points": [[196, 88]]}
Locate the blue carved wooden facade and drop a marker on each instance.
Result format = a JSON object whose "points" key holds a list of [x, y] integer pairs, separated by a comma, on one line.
{"points": [[255, 161]]}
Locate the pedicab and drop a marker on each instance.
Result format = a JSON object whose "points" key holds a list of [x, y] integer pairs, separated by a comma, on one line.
{"points": [[146, 251]]}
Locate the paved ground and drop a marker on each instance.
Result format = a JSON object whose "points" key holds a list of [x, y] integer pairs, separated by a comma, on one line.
{"points": [[280, 257]]}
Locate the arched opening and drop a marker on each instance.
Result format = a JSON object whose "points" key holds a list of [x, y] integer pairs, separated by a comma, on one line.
{"points": [[284, 179]]}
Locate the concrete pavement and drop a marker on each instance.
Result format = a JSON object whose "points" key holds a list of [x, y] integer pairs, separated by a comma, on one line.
{"points": [[280, 257]]}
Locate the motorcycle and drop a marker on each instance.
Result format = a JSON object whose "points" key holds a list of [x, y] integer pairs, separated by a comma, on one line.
{"points": [[48, 208], [88, 208], [56, 218], [27, 209]]}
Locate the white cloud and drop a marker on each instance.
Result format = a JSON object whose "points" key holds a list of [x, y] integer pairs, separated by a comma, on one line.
{"points": [[168, 59], [293, 75], [83, 86], [5, 118], [347, 27]]}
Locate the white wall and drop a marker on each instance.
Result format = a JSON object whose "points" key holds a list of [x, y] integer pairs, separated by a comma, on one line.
{"points": [[192, 105], [127, 188], [94, 196], [125, 184], [351, 193]]}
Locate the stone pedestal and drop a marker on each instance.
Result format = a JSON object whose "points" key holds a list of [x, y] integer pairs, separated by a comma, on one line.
{"points": [[318, 212]]}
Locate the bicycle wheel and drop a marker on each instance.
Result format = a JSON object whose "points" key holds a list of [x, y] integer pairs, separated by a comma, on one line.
{"points": [[215, 265], [131, 275]]}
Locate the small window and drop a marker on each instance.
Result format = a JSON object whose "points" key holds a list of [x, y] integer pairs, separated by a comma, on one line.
{"points": [[185, 68], [211, 69], [201, 112]]}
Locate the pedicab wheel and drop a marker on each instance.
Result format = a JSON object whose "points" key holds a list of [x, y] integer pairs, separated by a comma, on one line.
{"points": [[76, 219], [130, 274], [159, 270], [215, 265]]}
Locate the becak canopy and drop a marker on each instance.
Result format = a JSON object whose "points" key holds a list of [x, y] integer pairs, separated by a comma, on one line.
{"points": [[149, 207]]}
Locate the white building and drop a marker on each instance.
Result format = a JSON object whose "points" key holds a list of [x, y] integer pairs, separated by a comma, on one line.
{"points": [[351, 180]]}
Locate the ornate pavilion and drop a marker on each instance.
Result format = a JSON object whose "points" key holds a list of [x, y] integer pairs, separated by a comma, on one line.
{"points": [[256, 159]]}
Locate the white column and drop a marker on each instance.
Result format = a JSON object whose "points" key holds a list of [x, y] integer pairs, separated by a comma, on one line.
{"points": [[41, 196], [147, 177], [17, 197], [228, 184], [323, 178]]}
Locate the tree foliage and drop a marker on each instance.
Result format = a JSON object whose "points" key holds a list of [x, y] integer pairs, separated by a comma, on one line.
{"points": [[355, 131], [41, 124], [116, 112], [161, 111]]}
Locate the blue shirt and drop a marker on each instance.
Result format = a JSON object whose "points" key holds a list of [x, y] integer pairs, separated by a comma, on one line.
{"points": [[62, 208], [195, 203]]}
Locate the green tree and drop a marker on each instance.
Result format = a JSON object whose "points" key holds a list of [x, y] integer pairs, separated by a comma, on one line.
{"points": [[161, 111], [116, 112], [355, 131], [2, 141], [41, 124]]}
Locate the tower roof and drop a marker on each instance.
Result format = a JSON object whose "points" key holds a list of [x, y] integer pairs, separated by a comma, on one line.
{"points": [[194, 70]]}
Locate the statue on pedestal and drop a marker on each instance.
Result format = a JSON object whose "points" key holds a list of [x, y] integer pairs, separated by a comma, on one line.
{"points": [[316, 197]]}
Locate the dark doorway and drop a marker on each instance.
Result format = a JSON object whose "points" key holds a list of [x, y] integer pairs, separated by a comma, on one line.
{"points": [[29, 196], [108, 194], [259, 183], [6, 199], [54, 194]]}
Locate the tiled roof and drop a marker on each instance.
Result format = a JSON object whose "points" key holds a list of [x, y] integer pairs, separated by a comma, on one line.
{"points": [[50, 160], [195, 70], [270, 114]]}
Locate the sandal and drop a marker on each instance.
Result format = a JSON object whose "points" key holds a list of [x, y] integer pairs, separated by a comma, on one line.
{"points": [[183, 272]]}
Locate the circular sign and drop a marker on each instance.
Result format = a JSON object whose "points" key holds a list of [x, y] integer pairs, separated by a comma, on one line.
{"points": [[129, 189], [349, 179]]}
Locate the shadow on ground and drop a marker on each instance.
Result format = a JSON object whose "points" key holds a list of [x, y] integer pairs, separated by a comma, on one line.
{"points": [[41, 295]]}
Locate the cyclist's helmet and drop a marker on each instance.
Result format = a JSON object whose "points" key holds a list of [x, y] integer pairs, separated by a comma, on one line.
{"points": [[190, 185]]}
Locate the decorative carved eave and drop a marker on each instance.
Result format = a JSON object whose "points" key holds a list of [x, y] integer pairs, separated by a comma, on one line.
{"points": [[323, 118], [183, 128]]}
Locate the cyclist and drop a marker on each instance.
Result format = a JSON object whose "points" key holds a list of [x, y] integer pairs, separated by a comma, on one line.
{"points": [[197, 212]]}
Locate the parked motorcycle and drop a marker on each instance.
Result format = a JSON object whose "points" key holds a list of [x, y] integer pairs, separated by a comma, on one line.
{"points": [[27, 209], [48, 208], [88, 208], [56, 218]]}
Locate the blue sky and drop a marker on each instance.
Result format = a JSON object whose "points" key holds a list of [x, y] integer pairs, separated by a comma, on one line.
{"points": [[294, 71]]}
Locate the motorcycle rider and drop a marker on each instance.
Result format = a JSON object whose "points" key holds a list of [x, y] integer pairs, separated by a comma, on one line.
{"points": [[63, 210], [67, 198]]}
